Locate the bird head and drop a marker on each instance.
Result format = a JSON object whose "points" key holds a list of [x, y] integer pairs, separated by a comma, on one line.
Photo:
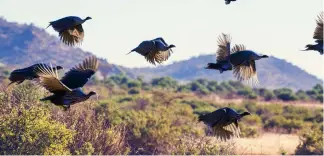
{"points": [[59, 67], [309, 47], [172, 46], [264, 56], [245, 113], [208, 66], [88, 18], [92, 93]]}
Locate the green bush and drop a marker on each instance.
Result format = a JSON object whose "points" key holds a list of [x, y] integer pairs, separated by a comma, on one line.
{"points": [[133, 91], [134, 84], [301, 95], [285, 94], [164, 82], [33, 132], [311, 142]]}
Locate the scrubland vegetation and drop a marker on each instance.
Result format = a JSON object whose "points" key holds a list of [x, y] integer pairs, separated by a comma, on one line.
{"points": [[157, 117]]}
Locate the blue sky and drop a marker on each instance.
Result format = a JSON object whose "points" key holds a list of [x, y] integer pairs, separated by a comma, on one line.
{"points": [[278, 28]]}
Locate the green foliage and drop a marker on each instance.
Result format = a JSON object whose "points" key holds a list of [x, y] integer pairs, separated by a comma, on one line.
{"points": [[33, 132], [285, 94], [133, 91], [311, 142], [141, 118], [247, 92], [134, 84], [301, 95], [266, 94], [164, 82]]}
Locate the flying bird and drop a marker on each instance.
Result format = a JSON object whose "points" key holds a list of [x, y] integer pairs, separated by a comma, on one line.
{"points": [[223, 123], [68, 90], [222, 55], [243, 62], [229, 1], [20, 75], [70, 29], [318, 36], [156, 50]]}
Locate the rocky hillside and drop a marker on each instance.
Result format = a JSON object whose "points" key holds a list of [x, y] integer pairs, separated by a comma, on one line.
{"points": [[23, 45]]}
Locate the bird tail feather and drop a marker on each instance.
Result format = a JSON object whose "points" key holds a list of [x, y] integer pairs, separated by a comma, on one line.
{"points": [[201, 117], [45, 98], [129, 52], [10, 84], [48, 26]]}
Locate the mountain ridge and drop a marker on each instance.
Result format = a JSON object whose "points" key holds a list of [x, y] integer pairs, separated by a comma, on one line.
{"points": [[271, 67], [22, 45]]}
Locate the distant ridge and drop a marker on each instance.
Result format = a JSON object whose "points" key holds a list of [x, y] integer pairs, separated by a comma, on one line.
{"points": [[23, 45], [272, 72]]}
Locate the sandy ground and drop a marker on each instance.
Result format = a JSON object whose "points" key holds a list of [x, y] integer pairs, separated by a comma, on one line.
{"points": [[268, 143]]}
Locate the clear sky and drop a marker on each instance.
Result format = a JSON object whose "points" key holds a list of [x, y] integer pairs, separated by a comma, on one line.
{"points": [[274, 27]]}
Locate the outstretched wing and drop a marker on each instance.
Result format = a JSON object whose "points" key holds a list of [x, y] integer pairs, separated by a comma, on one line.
{"points": [[318, 34], [48, 78], [79, 75], [161, 39], [246, 72], [238, 48], [227, 132], [157, 56], [224, 47], [72, 36]]}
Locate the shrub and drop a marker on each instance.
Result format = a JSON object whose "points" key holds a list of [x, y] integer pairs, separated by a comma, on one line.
{"points": [[301, 95], [133, 91], [285, 94], [164, 82], [134, 84], [311, 142], [33, 132]]}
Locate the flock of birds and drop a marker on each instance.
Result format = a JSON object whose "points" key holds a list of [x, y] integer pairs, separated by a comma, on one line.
{"points": [[223, 123]]}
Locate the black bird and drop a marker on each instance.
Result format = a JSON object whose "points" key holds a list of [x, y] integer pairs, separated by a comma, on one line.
{"points": [[229, 1], [223, 122], [156, 50], [20, 75], [68, 90], [222, 55], [243, 62], [70, 29], [318, 36]]}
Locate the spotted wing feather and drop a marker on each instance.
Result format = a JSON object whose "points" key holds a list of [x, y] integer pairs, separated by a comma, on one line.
{"points": [[224, 45], [79, 75], [318, 34], [48, 78]]}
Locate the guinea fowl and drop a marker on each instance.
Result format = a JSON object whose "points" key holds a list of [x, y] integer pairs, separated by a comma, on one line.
{"points": [[156, 50], [243, 62], [20, 75], [229, 1], [68, 90], [70, 29], [318, 36], [223, 122], [222, 55]]}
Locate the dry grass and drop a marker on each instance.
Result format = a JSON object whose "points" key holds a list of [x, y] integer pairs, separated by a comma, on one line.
{"points": [[268, 143], [215, 98]]}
